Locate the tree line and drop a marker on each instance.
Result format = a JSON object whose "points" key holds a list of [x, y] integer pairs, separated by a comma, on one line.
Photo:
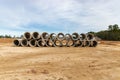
{"points": [[6, 36], [112, 33]]}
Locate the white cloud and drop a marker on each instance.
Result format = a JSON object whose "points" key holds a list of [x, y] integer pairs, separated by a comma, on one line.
{"points": [[70, 15]]}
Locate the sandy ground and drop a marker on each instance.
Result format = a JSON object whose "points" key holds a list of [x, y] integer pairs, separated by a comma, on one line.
{"points": [[64, 63]]}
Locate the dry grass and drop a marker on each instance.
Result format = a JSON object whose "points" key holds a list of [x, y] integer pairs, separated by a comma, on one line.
{"points": [[6, 40]]}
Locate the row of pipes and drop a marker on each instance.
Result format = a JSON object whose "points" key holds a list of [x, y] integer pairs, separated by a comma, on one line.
{"points": [[36, 39]]}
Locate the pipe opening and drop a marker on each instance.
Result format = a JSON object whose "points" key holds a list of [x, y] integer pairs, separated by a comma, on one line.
{"points": [[53, 36], [75, 36], [70, 43], [33, 42], [80, 43], [90, 36], [83, 36], [45, 35], [27, 35], [95, 43], [77, 43], [43, 43], [64, 42], [60, 36], [58, 43], [68, 36], [49, 43], [36, 35], [16, 42], [39, 43], [87, 43], [24, 42]]}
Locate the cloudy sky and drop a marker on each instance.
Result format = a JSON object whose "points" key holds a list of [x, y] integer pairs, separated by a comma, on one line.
{"points": [[18, 16]]}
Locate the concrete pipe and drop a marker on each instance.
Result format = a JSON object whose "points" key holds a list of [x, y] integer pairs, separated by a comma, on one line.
{"points": [[70, 43], [42, 43], [58, 43], [27, 35], [90, 36], [45, 36], [64, 42], [17, 42], [24, 42], [86, 43], [60, 36], [77, 43], [51, 43], [53, 36], [36, 35], [94, 43], [83, 36], [75, 36], [39, 43], [68, 36], [80, 43], [32, 43]]}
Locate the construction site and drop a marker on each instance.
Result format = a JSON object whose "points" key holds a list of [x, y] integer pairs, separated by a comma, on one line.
{"points": [[59, 39], [59, 56]]}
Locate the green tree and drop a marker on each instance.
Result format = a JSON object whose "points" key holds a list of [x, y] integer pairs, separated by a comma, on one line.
{"points": [[115, 27], [113, 33], [110, 27]]}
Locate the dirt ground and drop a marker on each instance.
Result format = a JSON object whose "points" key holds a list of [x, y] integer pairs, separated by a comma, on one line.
{"points": [[64, 63]]}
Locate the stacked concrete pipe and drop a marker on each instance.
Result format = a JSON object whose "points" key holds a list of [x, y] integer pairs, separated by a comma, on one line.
{"points": [[52, 40], [69, 40], [44, 39], [60, 40]]}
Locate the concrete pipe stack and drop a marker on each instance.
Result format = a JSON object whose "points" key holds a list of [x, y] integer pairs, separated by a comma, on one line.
{"points": [[44, 39]]}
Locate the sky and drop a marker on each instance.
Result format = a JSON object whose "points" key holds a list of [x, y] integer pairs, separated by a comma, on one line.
{"points": [[67, 16]]}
